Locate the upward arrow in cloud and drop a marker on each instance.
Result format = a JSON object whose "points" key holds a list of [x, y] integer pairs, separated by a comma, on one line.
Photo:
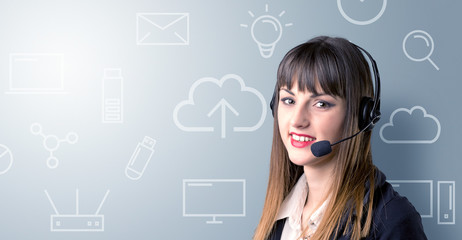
{"points": [[223, 104]]}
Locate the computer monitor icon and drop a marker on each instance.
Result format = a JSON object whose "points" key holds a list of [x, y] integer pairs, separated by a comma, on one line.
{"points": [[214, 198], [77, 222]]}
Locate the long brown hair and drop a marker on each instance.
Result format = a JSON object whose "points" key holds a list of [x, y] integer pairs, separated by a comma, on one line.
{"points": [[340, 69]]}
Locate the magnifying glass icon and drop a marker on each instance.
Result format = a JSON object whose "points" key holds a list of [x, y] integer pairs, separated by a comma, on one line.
{"points": [[419, 34]]}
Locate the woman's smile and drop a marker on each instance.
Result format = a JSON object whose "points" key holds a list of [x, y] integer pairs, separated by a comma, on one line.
{"points": [[301, 140]]}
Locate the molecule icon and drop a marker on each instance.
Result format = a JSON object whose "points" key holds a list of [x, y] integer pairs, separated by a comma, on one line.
{"points": [[52, 142]]}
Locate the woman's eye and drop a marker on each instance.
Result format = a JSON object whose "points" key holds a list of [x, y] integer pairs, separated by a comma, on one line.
{"points": [[322, 104], [288, 101]]}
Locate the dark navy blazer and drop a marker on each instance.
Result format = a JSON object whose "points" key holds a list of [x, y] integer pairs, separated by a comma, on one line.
{"points": [[394, 216]]}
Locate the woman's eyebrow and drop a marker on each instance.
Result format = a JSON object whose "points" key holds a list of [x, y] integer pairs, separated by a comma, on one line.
{"points": [[314, 95], [288, 91], [318, 95]]}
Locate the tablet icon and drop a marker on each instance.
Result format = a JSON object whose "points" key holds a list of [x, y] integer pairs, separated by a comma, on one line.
{"points": [[419, 192], [362, 3], [52, 143], [36, 73], [266, 31], [418, 37]]}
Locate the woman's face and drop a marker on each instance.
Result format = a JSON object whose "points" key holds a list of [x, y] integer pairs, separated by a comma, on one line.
{"points": [[305, 118]]}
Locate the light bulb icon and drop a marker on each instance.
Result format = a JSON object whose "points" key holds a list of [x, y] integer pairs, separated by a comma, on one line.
{"points": [[266, 31], [262, 27]]}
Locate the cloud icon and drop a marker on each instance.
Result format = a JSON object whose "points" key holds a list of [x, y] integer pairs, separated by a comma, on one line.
{"points": [[413, 125], [210, 98]]}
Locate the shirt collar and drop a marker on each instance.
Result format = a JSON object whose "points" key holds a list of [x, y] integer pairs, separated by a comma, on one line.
{"points": [[292, 206]]}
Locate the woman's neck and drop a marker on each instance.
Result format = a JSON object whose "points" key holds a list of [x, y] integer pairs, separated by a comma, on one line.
{"points": [[319, 179]]}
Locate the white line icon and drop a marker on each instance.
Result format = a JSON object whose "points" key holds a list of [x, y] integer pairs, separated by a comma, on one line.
{"points": [[52, 142], [419, 34], [112, 96], [446, 202], [406, 131], [362, 22], [162, 28], [419, 192], [222, 105], [36, 73], [77, 222], [6, 159], [266, 31], [140, 158], [214, 198]]}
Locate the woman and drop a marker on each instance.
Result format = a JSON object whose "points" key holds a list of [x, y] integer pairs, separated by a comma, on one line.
{"points": [[324, 93]]}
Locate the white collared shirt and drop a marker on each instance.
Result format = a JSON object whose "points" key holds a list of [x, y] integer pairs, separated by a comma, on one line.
{"points": [[292, 209]]}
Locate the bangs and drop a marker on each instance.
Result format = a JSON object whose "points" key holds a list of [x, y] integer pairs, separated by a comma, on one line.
{"points": [[314, 67]]}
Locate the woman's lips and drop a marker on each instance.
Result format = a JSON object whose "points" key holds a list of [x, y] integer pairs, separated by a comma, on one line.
{"points": [[301, 140]]}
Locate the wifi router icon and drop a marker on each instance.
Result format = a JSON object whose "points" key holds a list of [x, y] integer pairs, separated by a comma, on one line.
{"points": [[77, 222]]}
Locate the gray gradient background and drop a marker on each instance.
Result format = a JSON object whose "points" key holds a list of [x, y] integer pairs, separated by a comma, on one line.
{"points": [[93, 35]]}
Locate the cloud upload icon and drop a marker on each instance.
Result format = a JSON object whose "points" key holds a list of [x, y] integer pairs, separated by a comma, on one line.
{"points": [[411, 126], [223, 98]]}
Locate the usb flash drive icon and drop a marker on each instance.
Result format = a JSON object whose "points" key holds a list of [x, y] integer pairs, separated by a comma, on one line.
{"points": [[140, 158]]}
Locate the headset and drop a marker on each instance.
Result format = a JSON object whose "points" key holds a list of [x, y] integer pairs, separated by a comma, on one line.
{"points": [[369, 110]]}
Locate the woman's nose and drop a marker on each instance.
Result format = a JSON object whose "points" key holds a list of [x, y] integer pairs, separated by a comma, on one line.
{"points": [[300, 117]]}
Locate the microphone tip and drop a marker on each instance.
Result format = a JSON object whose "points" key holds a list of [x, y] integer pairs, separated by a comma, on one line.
{"points": [[321, 148]]}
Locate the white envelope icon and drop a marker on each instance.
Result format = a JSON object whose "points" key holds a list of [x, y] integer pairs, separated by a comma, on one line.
{"points": [[162, 28]]}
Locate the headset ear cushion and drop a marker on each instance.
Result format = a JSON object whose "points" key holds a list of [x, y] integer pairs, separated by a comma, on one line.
{"points": [[273, 102], [273, 99], [365, 113]]}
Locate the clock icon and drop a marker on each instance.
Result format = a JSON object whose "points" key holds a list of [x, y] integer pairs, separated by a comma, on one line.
{"points": [[6, 159], [361, 22]]}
